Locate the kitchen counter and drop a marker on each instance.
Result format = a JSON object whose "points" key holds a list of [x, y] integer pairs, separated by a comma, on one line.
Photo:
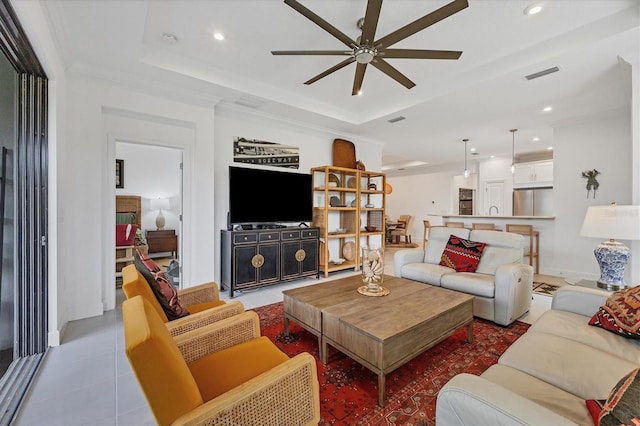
{"points": [[458, 216]]}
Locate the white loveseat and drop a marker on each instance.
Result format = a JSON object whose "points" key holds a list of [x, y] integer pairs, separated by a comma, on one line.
{"points": [[545, 377], [502, 284]]}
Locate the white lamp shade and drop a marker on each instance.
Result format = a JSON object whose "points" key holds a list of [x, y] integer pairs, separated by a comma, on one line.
{"points": [[612, 222], [160, 204]]}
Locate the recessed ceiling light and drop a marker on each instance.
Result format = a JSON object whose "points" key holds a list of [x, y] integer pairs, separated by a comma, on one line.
{"points": [[536, 139], [493, 156], [532, 9], [218, 36], [547, 108], [550, 148], [472, 150]]}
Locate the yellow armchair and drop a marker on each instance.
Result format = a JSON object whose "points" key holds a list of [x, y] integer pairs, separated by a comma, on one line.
{"points": [[224, 373], [202, 302]]}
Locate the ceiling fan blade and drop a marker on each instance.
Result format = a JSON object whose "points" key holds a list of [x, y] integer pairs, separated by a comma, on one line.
{"points": [[422, 23], [310, 52], [392, 72], [370, 22], [321, 23], [420, 54], [357, 81], [330, 70]]}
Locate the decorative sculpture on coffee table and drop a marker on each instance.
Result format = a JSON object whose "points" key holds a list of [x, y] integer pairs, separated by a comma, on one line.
{"points": [[373, 272]]}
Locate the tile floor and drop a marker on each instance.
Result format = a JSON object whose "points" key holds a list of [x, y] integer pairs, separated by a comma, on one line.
{"points": [[88, 381]]}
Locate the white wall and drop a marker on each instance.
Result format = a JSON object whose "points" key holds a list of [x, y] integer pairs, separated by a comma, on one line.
{"points": [[421, 196], [496, 169], [100, 114], [603, 142], [152, 172], [315, 150]]}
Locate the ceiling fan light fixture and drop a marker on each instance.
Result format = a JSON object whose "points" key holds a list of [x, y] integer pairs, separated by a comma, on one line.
{"points": [[364, 55], [466, 170], [369, 47], [513, 150]]}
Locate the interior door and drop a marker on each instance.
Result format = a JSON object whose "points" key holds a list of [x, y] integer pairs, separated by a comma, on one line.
{"points": [[493, 200]]}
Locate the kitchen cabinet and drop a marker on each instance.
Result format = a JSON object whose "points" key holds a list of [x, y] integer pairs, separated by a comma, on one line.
{"points": [[533, 174], [465, 201]]}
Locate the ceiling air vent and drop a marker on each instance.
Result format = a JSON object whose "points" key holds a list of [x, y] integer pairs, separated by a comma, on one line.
{"points": [[396, 119], [250, 101], [542, 73]]}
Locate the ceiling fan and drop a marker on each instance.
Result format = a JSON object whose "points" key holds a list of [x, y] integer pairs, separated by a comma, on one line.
{"points": [[367, 50]]}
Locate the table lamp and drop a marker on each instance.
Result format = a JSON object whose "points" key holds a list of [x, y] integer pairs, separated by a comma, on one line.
{"points": [[160, 204], [616, 223]]}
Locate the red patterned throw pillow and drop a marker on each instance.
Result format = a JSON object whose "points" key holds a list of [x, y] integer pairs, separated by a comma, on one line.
{"points": [[620, 314], [125, 234], [462, 255], [165, 292], [621, 407]]}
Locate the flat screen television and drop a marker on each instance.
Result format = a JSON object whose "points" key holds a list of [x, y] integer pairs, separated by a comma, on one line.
{"points": [[258, 196]]}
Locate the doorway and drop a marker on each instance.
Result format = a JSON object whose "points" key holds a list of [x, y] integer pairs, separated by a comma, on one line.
{"points": [[154, 174], [493, 198]]}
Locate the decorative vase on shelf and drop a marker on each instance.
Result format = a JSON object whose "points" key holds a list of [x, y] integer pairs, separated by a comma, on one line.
{"points": [[373, 269]]}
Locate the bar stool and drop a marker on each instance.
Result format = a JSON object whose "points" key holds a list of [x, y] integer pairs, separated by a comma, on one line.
{"points": [[533, 251], [427, 225], [454, 224], [489, 226]]}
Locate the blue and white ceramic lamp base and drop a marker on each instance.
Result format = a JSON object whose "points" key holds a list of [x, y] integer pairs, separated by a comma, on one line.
{"points": [[612, 257]]}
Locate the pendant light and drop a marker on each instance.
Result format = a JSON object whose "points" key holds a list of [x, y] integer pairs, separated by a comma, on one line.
{"points": [[466, 170], [513, 150]]}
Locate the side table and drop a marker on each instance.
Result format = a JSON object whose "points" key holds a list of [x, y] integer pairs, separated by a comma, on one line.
{"points": [[586, 283], [162, 241]]}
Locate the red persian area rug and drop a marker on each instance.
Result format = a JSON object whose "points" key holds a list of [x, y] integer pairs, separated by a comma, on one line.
{"points": [[349, 391]]}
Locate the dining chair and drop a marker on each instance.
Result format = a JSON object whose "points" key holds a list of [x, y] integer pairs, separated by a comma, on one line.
{"points": [[427, 225], [489, 226], [454, 224], [403, 230], [533, 248]]}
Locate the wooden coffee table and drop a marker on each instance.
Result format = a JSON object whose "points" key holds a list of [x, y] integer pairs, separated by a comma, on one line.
{"points": [[381, 333]]}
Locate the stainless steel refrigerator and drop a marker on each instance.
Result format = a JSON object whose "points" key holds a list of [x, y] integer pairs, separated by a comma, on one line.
{"points": [[533, 202]]}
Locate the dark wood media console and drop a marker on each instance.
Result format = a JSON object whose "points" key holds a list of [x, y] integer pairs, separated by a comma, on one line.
{"points": [[261, 257]]}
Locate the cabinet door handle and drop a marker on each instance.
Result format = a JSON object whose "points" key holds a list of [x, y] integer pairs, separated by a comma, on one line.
{"points": [[257, 261], [300, 255]]}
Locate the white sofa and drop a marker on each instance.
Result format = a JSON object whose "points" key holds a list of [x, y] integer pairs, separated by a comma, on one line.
{"points": [[545, 377], [502, 284]]}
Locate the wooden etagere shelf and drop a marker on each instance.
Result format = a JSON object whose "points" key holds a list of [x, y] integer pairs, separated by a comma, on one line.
{"points": [[348, 205]]}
